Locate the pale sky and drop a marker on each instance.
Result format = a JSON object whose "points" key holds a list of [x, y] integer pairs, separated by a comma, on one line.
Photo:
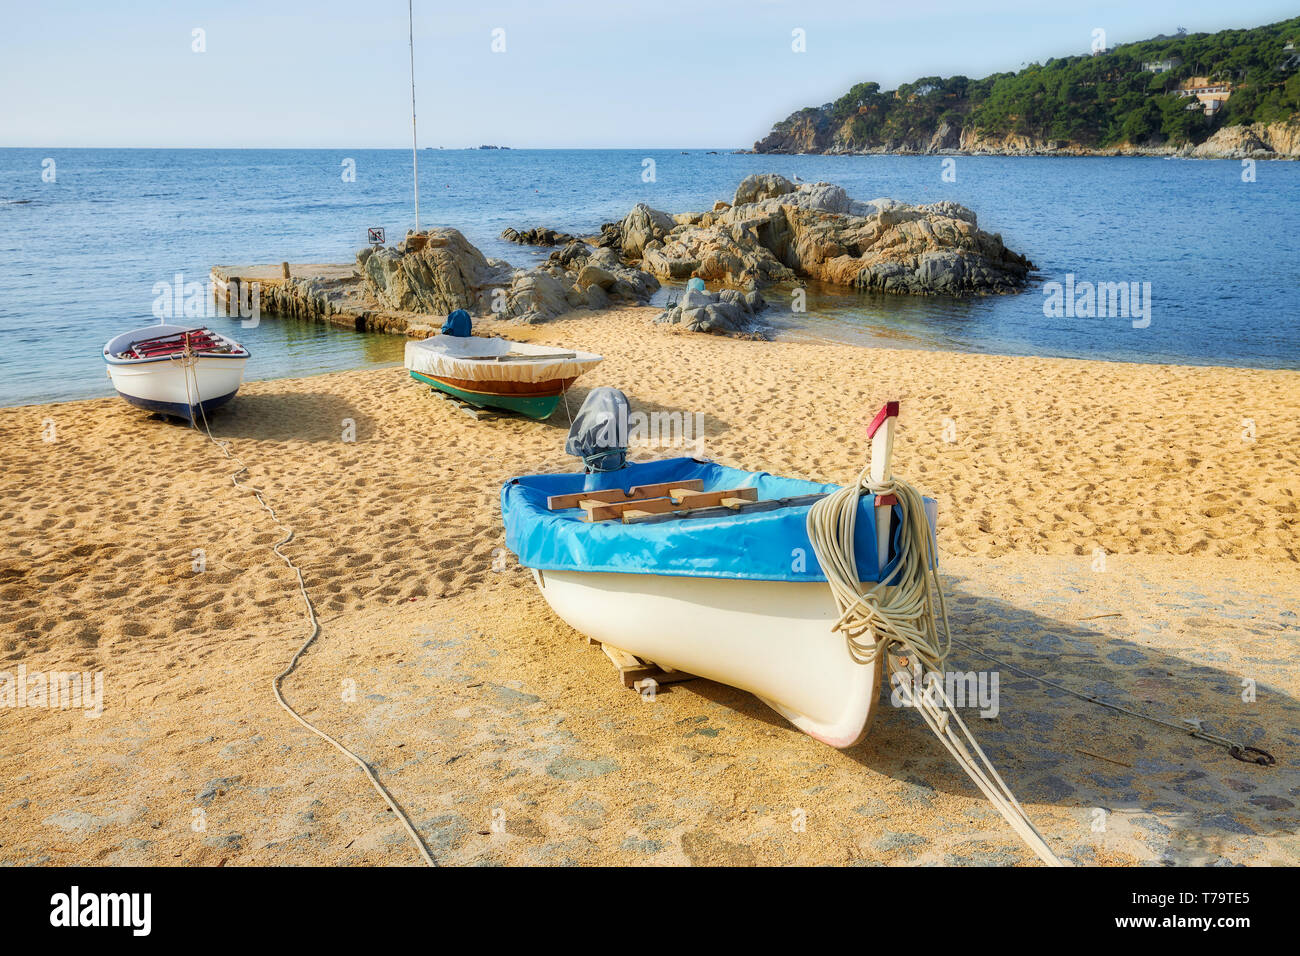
{"points": [[574, 73]]}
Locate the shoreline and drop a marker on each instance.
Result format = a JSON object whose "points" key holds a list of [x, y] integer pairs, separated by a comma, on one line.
{"points": [[531, 332], [782, 335]]}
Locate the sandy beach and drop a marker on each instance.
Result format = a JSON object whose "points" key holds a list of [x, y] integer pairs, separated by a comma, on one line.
{"points": [[443, 667]]}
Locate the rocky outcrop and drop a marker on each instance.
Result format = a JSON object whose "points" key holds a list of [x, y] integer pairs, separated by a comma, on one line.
{"points": [[1256, 141], [728, 312], [761, 186], [449, 273], [537, 237], [1284, 137], [807, 131], [643, 227], [815, 230], [812, 130]]}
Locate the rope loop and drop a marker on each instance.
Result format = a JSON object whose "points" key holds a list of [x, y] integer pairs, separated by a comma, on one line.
{"points": [[905, 615]]}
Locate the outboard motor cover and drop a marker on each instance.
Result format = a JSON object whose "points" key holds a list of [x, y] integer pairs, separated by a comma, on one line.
{"points": [[458, 324], [599, 432]]}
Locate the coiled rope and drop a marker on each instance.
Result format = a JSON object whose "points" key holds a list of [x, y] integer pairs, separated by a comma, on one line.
{"points": [[188, 361], [898, 618]]}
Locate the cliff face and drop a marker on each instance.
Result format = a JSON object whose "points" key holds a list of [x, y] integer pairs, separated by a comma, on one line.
{"points": [[814, 131], [1254, 141], [808, 131]]}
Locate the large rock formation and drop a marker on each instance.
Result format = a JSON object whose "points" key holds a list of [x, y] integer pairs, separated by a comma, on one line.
{"points": [[776, 231], [761, 186], [641, 228], [1255, 141], [449, 273]]}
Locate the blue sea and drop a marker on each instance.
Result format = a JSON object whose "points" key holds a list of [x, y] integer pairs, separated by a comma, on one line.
{"points": [[79, 255]]}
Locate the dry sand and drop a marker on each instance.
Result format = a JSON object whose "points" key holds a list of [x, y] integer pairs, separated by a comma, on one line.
{"points": [[475, 703]]}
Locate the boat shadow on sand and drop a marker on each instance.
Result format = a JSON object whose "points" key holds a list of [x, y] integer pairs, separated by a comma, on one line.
{"points": [[300, 416], [1190, 801]]}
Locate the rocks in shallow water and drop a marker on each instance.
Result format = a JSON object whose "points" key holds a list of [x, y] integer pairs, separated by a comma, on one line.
{"points": [[450, 273], [729, 312], [774, 231], [573, 254], [777, 232], [538, 236], [641, 227], [611, 237]]}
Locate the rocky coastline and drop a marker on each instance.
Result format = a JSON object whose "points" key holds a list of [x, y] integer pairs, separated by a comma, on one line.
{"points": [[807, 133], [772, 231]]}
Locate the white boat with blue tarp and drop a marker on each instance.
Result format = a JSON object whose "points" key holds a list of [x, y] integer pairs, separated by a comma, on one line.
{"points": [[491, 372], [707, 569]]}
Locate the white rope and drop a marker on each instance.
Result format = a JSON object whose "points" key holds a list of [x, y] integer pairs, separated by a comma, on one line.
{"points": [[898, 617], [188, 362]]}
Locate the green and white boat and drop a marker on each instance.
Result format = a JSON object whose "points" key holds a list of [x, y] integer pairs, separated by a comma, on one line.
{"points": [[498, 373]]}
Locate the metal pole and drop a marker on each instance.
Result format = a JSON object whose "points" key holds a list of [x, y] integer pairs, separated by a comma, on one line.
{"points": [[415, 155]]}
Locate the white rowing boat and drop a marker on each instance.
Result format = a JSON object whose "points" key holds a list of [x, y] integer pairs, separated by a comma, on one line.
{"points": [[181, 370]]}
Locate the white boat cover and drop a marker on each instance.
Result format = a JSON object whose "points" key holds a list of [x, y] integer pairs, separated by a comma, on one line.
{"points": [[477, 358]]}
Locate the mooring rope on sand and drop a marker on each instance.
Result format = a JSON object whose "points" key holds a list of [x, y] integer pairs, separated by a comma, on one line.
{"points": [[188, 360], [898, 618]]}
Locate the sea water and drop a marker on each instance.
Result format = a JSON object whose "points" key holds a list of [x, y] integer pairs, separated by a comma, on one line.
{"points": [[87, 234]]}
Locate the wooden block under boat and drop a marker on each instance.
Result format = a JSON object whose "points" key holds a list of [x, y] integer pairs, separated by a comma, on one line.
{"points": [[631, 669], [637, 492]]}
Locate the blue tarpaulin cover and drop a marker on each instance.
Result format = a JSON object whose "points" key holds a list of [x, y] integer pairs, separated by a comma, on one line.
{"points": [[758, 546]]}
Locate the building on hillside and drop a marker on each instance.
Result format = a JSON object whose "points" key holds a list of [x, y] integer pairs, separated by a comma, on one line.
{"points": [[1162, 66], [1210, 96]]}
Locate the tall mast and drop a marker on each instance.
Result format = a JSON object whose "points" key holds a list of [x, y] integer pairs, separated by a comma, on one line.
{"points": [[415, 155]]}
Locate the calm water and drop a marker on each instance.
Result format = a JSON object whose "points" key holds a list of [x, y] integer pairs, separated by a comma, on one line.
{"points": [[79, 256]]}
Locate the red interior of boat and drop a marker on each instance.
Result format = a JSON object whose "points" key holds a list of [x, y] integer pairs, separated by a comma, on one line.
{"points": [[201, 340]]}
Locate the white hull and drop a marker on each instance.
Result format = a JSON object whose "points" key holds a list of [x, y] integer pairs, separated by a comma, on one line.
{"points": [[771, 638], [210, 381]]}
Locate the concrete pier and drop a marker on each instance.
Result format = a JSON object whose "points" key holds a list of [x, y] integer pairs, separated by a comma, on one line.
{"points": [[316, 292]]}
